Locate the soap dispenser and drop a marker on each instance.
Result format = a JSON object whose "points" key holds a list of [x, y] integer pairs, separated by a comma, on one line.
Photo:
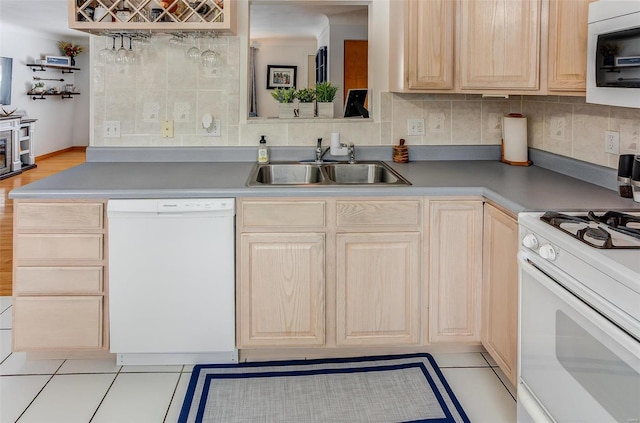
{"points": [[263, 151]]}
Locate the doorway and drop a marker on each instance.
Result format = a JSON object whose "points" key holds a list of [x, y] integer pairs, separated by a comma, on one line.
{"points": [[356, 58]]}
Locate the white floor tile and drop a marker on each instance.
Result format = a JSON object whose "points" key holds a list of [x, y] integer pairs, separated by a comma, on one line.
{"points": [[481, 395], [5, 344], [16, 392], [5, 302], [17, 364], [68, 399], [490, 359], [6, 318], [505, 381], [138, 397], [151, 369], [105, 365], [178, 398], [473, 359]]}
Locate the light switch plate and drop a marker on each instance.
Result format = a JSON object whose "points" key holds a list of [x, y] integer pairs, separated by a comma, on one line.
{"points": [[167, 129]]}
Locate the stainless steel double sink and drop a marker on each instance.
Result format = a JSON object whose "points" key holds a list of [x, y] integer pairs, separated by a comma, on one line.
{"points": [[323, 174]]}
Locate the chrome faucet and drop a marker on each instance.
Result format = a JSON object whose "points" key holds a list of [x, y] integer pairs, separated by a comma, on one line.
{"points": [[319, 153], [352, 154]]}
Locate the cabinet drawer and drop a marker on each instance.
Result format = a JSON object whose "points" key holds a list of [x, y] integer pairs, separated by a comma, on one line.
{"points": [[57, 323], [58, 280], [59, 246], [48, 216], [375, 213], [283, 213]]}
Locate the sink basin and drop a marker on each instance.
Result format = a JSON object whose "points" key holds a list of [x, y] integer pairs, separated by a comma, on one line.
{"points": [[324, 174], [363, 173], [286, 174]]}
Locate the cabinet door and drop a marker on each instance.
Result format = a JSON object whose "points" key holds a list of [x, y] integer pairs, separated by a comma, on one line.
{"points": [[568, 45], [499, 44], [455, 273], [430, 44], [281, 285], [500, 289], [378, 286], [57, 323]]}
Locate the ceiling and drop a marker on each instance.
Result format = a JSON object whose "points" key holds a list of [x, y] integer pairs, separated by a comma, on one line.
{"points": [[267, 20]]}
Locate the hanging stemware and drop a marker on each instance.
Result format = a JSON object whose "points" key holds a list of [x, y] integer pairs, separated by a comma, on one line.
{"points": [[209, 57], [107, 55], [193, 54], [121, 54], [131, 55]]}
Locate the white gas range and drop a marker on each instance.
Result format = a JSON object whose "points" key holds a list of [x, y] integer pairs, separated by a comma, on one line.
{"points": [[579, 317]]}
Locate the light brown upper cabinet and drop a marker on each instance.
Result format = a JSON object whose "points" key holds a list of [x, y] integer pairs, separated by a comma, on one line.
{"points": [[498, 44], [568, 21], [489, 46], [430, 59]]}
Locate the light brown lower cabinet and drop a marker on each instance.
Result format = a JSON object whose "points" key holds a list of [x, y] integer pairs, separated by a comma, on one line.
{"points": [[59, 282], [500, 289], [329, 273], [377, 288], [281, 285], [455, 270]]}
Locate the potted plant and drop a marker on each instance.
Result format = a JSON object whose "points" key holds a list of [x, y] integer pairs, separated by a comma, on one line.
{"points": [[306, 96], [38, 87], [609, 51], [325, 94], [285, 97]]}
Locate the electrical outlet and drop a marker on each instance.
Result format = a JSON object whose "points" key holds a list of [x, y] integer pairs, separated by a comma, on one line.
{"points": [[111, 129], [167, 129], [415, 126], [612, 142], [214, 130]]}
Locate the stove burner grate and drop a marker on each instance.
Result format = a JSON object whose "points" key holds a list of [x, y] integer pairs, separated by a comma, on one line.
{"points": [[589, 230]]}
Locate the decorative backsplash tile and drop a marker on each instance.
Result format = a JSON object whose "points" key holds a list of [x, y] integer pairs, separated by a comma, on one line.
{"points": [[165, 84]]}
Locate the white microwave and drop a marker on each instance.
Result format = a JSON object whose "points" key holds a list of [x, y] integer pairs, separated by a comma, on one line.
{"points": [[613, 53]]}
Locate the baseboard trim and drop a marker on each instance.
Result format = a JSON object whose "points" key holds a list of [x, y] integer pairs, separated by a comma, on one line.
{"points": [[64, 150]]}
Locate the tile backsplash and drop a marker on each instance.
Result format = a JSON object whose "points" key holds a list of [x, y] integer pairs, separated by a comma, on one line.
{"points": [[165, 85]]}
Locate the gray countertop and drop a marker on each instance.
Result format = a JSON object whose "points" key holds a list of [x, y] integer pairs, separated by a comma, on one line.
{"points": [[515, 188]]}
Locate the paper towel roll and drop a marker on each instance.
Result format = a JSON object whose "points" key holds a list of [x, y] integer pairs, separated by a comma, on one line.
{"points": [[514, 138]]}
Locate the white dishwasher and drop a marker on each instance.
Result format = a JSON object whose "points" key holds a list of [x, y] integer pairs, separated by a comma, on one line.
{"points": [[172, 281]]}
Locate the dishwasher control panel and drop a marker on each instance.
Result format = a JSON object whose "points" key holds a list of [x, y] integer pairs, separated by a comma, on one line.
{"points": [[194, 205]]}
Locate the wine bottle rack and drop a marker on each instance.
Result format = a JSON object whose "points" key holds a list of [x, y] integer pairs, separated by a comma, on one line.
{"points": [[97, 16]]}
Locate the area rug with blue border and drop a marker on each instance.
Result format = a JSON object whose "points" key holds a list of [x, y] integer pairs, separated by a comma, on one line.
{"points": [[391, 388]]}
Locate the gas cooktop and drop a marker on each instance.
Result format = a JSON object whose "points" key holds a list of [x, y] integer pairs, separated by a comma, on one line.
{"points": [[609, 230]]}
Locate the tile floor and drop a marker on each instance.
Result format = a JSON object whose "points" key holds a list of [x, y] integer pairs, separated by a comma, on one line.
{"points": [[99, 391]]}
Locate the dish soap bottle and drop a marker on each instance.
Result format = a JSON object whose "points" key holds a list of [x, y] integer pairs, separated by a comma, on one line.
{"points": [[263, 151]]}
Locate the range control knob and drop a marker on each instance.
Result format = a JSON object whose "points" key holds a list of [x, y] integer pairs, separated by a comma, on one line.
{"points": [[547, 252], [530, 241]]}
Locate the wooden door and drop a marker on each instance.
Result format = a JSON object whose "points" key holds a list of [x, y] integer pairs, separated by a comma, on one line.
{"points": [[499, 44], [281, 289], [455, 271], [568, 24], [430, 44], [377, 288], [500, 289], [356, 58]]}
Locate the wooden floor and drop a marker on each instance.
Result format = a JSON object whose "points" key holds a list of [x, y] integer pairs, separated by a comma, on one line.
{"points": [[46, 167]]}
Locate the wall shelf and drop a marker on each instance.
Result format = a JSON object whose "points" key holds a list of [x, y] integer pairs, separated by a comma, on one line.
{"points": [[41, 96], [43, 68]]}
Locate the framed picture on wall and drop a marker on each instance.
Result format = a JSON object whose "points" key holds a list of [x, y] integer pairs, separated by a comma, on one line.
{"points": [[281, 76]]}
